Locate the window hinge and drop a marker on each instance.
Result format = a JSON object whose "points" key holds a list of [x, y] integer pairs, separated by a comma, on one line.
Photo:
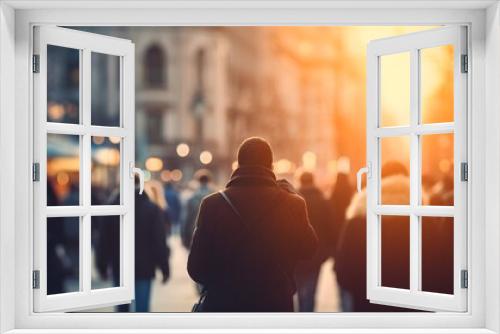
{"points": [[464, 279], [36, 171], [36, 63], [465, 64], [464, 171], [36, 279]]}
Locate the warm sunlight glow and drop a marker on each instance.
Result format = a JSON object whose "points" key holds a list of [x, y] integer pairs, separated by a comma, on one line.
{"points": [[309, 161], [283, 166], [154, 164]]}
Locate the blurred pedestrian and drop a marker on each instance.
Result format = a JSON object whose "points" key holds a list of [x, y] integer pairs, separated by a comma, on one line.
{"points": [[151, 250], [350, 261], [307, 271], [249, 238], [174, 205], [204, 177], [340, 198], [154, 190]]}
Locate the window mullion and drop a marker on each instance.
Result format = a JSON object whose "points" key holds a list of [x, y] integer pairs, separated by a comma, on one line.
{"points": [[415, 276], [85, 167]]}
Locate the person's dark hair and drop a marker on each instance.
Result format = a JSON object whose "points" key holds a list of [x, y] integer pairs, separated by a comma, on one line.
{"points": [[203, 176], [255, 151], [394, 168], [306, 179]]}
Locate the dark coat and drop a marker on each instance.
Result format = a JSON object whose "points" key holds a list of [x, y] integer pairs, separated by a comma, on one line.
{"points": [[250, 269], [339, 201], [319, 215]]}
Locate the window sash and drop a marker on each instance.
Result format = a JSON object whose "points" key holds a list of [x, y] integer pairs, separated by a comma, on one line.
{"points": [[86, 43], [414, 298]]}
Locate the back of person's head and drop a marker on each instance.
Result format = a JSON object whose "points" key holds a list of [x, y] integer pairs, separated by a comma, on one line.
{"points": [[306, 179], [203, 176], [255, 151], [391, 168]]}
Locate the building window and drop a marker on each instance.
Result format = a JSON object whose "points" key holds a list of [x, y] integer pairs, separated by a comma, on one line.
{"points": [[154, 125], [155, 67], [200, 62]]}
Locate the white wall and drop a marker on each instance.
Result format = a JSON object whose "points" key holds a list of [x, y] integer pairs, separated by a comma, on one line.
{"points": [[492, 212], [7, 170]]}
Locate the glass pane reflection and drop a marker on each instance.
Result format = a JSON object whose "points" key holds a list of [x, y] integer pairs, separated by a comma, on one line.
{"points": [[395, 248], [63, 169], [437, 254], [105, 252], [63, 84], [395, 89], [105, 170], [395, 167], [437, 169], [63, 255], [105, 90], [436, 82]]}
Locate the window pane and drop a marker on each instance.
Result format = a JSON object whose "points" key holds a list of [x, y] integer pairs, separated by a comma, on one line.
{"points": [[105, 252], [437, 254], [395, 247], [63, 255], [395, 166], [395, 89], [63, 84], [437, 169], [436, 84], [105, 89], [63, 169], [105, 170]]}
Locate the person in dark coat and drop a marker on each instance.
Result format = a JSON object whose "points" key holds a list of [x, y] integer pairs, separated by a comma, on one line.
{"points": [[151, 250], [307, 272], [246, 260], [339, 201], [350, 261]]}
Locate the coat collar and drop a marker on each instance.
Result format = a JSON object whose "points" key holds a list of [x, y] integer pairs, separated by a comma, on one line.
{"points": [[251, 176]]}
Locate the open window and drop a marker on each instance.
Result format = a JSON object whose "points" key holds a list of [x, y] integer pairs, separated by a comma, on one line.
{"points": [[405, 125], [84, 130]]}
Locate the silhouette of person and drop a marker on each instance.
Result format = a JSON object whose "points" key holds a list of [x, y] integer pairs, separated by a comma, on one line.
{"points": [[307, 271], [174, 205], [339, 201], [204, 178], [249, 238]]}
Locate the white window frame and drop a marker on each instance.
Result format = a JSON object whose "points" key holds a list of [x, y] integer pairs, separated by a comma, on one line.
{"points": [[86, 43], [18, 17], [412, 44]]}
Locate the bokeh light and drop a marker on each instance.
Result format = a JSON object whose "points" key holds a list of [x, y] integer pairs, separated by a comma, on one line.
{"points": [[182, 150], [154, 164], [206, 157]]}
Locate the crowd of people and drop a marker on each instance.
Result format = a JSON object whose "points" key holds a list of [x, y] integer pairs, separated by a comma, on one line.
{"points": [[264, 237]]}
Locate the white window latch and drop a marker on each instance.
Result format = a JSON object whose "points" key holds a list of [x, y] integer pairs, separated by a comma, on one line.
{"points": [[134, 170], [364, 170]]}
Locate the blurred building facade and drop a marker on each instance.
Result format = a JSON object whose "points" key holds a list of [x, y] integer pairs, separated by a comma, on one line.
{"points": [[211, 87]]}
